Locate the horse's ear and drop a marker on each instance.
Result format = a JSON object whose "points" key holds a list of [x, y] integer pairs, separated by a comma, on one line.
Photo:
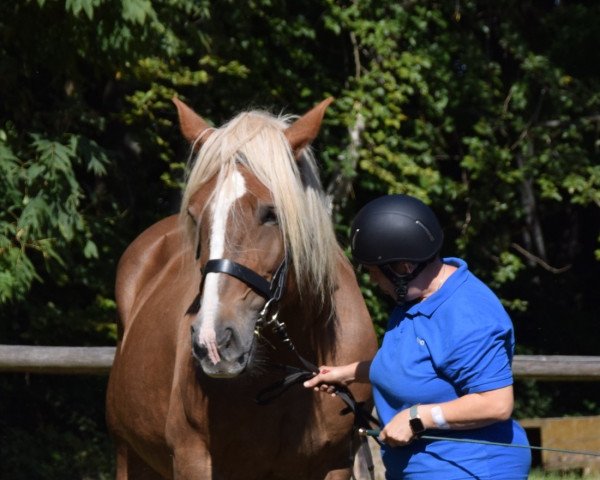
{"points": [[191, 124], [304, 130]]}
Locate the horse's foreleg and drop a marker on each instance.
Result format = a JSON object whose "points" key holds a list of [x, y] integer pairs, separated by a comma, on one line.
{"points": [[341, 474], [131, 467], [121, 473], [192, 463]]}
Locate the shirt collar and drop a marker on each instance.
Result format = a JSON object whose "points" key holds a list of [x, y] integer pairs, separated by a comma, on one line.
{"points": [[428, 306]]}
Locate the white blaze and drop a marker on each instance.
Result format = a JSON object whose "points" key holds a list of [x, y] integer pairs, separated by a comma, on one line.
{"points": [[233, 188]]}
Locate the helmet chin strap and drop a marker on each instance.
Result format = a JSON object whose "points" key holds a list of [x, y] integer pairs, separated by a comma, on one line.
{"points": [[401, 282]]}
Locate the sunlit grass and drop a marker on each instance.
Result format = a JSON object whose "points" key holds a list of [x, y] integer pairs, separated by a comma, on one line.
{"points": [[538, 474]]}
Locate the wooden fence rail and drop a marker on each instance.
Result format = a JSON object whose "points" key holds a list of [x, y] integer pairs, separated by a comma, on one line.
{"points": [[56, 360], [98, 361]]}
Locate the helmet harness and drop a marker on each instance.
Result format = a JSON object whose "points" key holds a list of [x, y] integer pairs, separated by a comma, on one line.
{"points": [[401, 281]]}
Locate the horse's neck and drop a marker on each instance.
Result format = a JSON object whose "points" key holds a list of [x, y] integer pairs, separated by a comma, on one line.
{"points": [[310, 328]]}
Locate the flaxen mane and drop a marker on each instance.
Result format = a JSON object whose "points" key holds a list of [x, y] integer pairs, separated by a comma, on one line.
{"points": [[256, 140]]}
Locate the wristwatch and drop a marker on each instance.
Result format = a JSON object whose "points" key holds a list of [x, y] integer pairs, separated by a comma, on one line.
{"points": [[415, 422]]}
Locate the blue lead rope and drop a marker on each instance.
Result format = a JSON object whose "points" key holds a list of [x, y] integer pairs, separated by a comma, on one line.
{"points": [[375, 433]]}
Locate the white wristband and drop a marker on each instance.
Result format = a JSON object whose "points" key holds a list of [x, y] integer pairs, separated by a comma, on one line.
{"points": [[438, 418]]}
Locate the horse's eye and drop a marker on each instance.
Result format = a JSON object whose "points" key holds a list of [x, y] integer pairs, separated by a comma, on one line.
{"points": [[268, 216]]}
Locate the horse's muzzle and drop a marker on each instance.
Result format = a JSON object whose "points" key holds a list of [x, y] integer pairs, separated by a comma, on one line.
{"points": [[232, 359]]}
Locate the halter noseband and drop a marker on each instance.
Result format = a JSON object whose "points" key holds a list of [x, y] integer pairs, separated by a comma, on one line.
{"points": [[272, 291]]}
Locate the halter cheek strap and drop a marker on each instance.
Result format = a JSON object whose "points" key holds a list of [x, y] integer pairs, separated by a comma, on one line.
{"points": [[251, 278]]}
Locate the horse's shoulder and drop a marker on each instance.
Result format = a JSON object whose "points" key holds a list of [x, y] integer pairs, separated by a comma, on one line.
{"points": [[150, 245], [346, 280], [144, 258], [351, 310]]}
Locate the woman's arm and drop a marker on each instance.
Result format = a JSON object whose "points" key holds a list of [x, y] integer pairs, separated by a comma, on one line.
{"points": [[474, 410], [470, 411], [328, 376]]}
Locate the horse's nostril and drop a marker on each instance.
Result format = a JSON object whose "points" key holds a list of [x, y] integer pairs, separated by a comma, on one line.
{"points": [[226, 338], [200, 351]]}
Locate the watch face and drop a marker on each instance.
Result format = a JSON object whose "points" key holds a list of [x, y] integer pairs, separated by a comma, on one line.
{"points": [[416, 425]]}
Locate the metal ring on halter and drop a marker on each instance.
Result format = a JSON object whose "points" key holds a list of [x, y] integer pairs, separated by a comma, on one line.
{"points": [[265, 309], [260, 322]]}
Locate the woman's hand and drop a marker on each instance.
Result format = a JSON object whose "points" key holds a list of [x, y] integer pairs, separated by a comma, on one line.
{"points": [[397, 432], [328, 377]]}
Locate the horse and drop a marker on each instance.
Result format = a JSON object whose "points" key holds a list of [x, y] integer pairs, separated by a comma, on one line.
{"points": [[215, 304]]}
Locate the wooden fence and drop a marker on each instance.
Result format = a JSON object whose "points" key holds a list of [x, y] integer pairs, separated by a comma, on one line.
{"points": [[98, 361]]}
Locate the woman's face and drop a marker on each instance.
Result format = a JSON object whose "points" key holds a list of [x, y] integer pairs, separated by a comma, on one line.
{"points": [[379, 279]]}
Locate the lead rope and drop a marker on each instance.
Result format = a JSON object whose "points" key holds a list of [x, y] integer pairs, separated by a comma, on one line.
{"points": [[363, 419], [295, 375], [365, 432]]}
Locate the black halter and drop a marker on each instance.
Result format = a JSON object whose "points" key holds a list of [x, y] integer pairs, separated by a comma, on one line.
{"points": [[272, 291]]}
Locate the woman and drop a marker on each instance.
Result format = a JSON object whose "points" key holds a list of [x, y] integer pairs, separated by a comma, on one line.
{"points": [[444, 366]]}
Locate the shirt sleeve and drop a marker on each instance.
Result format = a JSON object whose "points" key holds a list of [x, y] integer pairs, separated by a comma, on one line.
{"points": [[478, 348]]}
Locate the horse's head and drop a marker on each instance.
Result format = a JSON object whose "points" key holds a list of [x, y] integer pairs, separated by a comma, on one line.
{"points": [[252, 205]]}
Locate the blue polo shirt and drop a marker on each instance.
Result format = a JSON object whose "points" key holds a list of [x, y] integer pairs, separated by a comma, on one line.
{"points": [[457, 341]]}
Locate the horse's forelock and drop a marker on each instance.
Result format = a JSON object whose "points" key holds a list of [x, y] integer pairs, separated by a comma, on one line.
{"points": [[256, 140]]}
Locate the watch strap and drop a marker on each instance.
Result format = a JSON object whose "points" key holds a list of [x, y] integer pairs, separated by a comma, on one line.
{"points": [[415, 422], [414, 412]]}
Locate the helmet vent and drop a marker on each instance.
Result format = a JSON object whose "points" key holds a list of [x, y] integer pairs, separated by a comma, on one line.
{"points": [[427, 231], [354, 238]]}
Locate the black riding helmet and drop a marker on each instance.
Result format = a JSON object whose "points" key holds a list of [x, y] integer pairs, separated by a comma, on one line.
{"points": [[396, 228]]}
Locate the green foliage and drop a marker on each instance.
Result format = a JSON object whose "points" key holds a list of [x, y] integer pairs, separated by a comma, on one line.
{"points": [[43, 199]]}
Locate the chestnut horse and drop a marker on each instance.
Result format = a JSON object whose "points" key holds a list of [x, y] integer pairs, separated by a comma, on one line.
{"points": [[252, 248]]}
